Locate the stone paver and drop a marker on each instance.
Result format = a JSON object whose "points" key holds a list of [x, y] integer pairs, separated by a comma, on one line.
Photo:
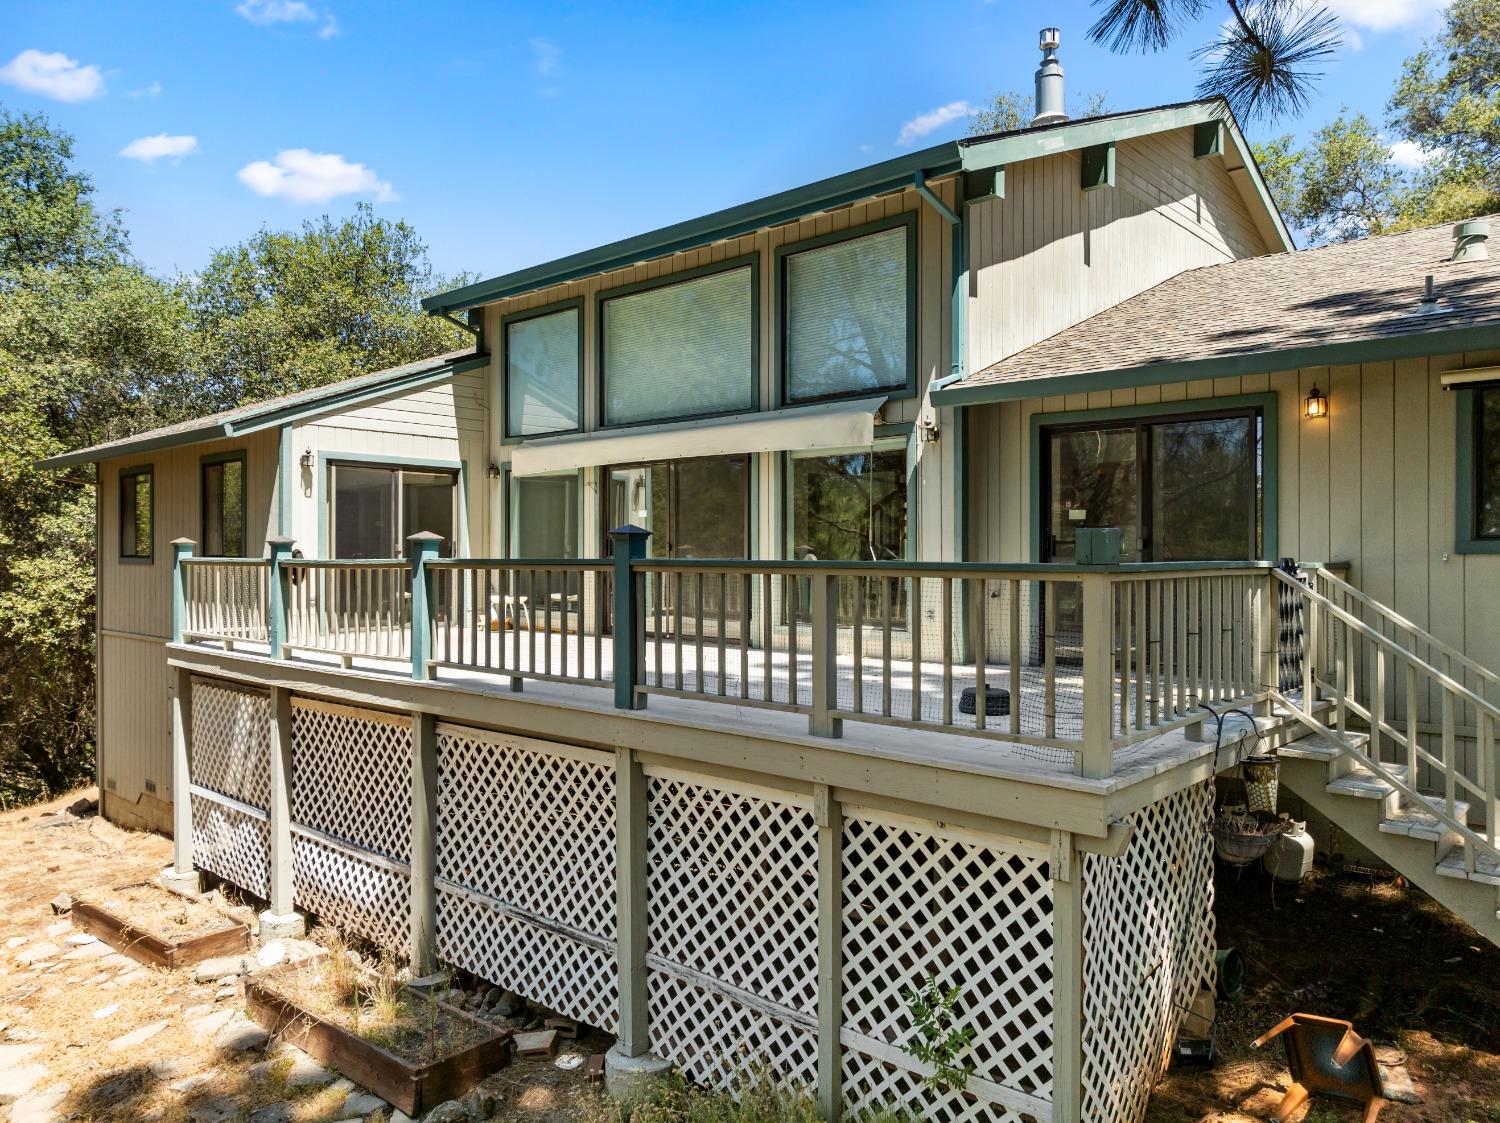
{"points": [[38, 1107], [221, 1109], [188, 1083], [210, 1024], [106, 1011], [94, 950], [212, 970], [138, 1036], [364, 1103], [17, 1080], [307, 1073], [273, 1113], [241, 1035], [37, 952]]}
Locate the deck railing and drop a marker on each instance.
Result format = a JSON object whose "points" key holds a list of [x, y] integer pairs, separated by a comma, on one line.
{"points": [[1074, 663], [225, 599]]}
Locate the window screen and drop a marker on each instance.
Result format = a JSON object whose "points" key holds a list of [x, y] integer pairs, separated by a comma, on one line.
{"points": [[846, 308], [541, 374], [544, 514], [223, 488], [136, 519], [1487, 464], [680, 350]]}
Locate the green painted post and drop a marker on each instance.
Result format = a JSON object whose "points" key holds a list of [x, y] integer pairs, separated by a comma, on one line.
{"points": [[181, 548], [424, 548], [630, 546], [281, 595]]}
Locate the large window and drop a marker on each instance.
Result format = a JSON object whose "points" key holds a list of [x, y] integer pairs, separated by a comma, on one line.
{"points": [[846, 316], [544, 516], [376, 509], [542, 373], [1487, 463], [693, 508], [1179, 489], [137, 519], [222, 516], [680, 350], [848, 506]]}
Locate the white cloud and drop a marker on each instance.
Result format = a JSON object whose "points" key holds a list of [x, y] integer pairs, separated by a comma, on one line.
{"points": [[151, 91], [314, 177], [1410, 155], [330, 26], [53, 74], [933, 120], [149, 149], [265, 13], [546, 57], [1384, 15]]}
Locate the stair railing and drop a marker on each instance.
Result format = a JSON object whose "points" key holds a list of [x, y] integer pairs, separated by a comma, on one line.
{"points": [[1336, 635]]}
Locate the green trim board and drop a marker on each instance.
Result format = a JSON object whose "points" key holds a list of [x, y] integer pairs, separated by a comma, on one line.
{"points": [[285, 468], [1269, 454], [1465, 515], [577, 305], [322, 497], [1433, 342], [1208, 139], [1098, 166], [149, 471], [907, 220], [231, 457], [729, 265]]}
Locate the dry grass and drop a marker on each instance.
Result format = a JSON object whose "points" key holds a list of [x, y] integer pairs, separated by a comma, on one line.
{"points": [[164, 914]]}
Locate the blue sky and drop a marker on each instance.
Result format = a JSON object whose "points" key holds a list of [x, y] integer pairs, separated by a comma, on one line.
{"points": [[512, 134]]}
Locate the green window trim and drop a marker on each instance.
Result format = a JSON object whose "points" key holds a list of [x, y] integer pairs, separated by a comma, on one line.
{"points": [[750, 261], [220, 458], [576, 305], [1270, 457], [1466, 539], [907, 220], [135, 473]]}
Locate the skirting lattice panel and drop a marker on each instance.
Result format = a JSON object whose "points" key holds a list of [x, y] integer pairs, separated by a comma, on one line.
{"points": [[526, 869], [231, 757], [1148, 931], [351, 818], [732, 923], [970, 912]]}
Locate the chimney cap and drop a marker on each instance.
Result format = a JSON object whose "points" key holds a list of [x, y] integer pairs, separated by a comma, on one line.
{"points": [[1050, 39], [1469, 240]]}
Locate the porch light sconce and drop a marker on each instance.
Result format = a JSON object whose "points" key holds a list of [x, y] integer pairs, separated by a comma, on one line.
{"points": [[307, 460], [927, 430], [494, 470], [1315, 405]]}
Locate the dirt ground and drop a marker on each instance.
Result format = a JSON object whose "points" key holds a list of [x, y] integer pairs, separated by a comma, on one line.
{"points": [[1375, 952], [63, 1010]]}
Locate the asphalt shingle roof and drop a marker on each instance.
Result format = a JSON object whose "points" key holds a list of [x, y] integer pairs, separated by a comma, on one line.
{"points": [[1369, 290]]}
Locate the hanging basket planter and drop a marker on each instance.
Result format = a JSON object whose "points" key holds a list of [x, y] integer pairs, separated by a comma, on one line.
{"points": [[1240, 840], [1262, 779]]}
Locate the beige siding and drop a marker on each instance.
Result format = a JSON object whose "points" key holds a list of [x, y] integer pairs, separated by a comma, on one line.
{"points": [[135, 612], [1372, 485], [1050, 254]]}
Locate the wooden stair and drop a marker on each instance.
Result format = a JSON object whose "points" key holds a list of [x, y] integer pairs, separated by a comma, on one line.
{"points": [[1411, 840]]}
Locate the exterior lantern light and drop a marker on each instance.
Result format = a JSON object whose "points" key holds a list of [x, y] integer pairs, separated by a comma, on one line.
{"points": [[494, 470], [307, 460], [1316, 403]]}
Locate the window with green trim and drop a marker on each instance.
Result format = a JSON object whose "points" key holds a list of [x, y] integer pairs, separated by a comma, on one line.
{"points": [[544, 516], [1487, 463], [137, 514], [680, 350], [845, 317], [541, 374], [222, 534], [848, 506]]}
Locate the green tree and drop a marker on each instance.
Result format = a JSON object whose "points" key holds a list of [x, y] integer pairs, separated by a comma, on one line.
{"points": [[1011, 109], [288, 310], [1343, 185]]}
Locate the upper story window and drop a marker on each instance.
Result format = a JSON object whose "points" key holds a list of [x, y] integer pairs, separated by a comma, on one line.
{"points": [[542, 372], [681, 349], [847, 316], [223, 513], [1487, 463], [137, 515]]}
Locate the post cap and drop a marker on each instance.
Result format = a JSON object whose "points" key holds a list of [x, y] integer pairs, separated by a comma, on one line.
{"points": [[182, 542], [424, 536], [630, 530], [281, 540]]}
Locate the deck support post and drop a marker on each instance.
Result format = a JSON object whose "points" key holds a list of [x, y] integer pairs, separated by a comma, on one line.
{"points": [[828, 814], [180, 875], [280, 595], [424, 814], [181, 548], [280, 920], [1066, 868], [629, 542], [1268, 633], [825, 664], [424, 548], [1097, 758]]}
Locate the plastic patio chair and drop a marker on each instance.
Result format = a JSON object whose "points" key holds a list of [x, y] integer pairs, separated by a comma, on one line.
{"points": [[1327, 1058]]}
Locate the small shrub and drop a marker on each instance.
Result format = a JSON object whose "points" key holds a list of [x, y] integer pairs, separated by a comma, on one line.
{"points": [[939, 1040]]}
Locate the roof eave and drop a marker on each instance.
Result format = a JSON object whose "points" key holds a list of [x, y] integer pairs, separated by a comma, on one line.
{"points": [[1473, 337]]}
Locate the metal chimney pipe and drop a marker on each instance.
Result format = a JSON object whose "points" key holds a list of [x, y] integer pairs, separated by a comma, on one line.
{"points": [[1049, 81]]}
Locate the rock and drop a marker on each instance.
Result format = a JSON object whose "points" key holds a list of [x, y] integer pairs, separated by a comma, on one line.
{"points": [[220, 1109], [83, 807], [301, 951], [54, 930], [18, 1079], [493, 995], [211, 1023], [307, 1073], [566, 1027], [61, 904], [166, 1068], [38, 1107], [16, 941], [95, 980], [273, 1113], [537, 1044], [482, 1105], [79, 939], [241, 1035], [510, 1003], [19, 994], [364, 1103], [271, 954], [226, 966], [21, 1033], [95, 950], [37, 952], [399, 1116], [197, 1080], [450, 1111], [138, 1036], [222, 993], [106, 1011]]}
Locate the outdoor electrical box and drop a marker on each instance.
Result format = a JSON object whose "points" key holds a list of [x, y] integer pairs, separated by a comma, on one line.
{"points": [[1097, 545]]}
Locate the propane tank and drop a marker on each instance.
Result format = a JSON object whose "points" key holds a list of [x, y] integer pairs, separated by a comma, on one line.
{"points": [[1291, 855]]}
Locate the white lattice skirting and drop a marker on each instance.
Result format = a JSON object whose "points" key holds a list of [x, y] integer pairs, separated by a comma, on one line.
{"points": [[526, 898]]}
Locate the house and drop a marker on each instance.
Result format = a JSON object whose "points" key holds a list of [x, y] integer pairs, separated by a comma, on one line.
{"points": [[738, 636]]}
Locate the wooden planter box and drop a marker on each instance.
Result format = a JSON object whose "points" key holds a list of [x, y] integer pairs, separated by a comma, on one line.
{"points": [[414, 1088], [145, 947]]}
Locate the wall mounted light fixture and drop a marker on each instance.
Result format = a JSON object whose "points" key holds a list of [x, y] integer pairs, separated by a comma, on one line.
{"points": [[1315, 405], [307, 460], [494, 470]]}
